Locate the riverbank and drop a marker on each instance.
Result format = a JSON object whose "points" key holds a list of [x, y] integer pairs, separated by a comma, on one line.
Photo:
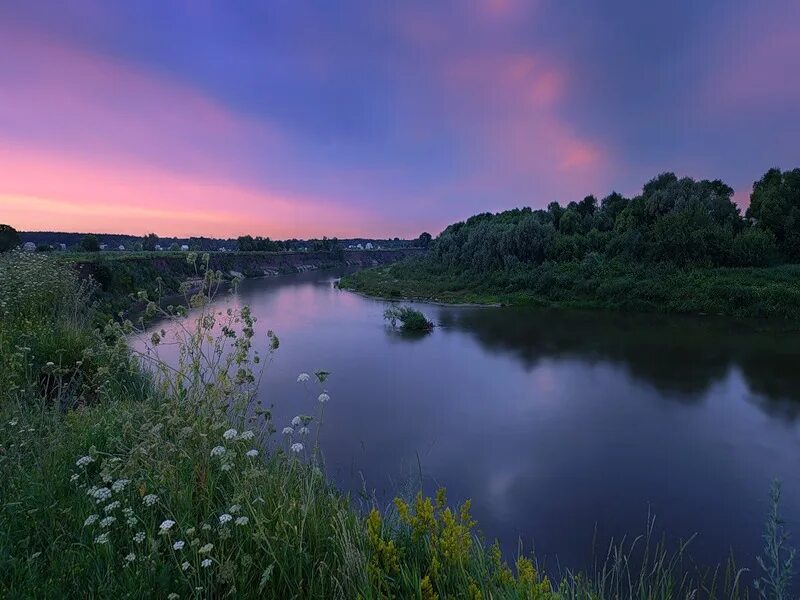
{"points": [[167, 275], [765, 292], [174, 483]]}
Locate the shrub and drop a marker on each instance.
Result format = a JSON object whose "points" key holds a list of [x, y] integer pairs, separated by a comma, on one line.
{"points": [[409, 319]]}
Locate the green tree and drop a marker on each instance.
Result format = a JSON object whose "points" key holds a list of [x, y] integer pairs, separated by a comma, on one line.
{"points": [[424, 239], [775, 207], [149, 242], [9, 238], [90, 243]]}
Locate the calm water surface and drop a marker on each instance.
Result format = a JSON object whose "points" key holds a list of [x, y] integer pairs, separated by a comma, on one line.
{"points": [[563, 427]]}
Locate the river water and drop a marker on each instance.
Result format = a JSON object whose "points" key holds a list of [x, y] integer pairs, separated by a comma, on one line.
{"points": [[566, 429]]}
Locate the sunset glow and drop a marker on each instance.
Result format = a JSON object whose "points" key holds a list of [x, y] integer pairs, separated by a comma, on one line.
{"points": [[284, 120]]}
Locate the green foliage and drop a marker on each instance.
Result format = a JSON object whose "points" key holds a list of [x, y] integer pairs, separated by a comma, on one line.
{"points": [[90, 243], [247, 243], [775, 207], [409, 319], [777, 562], [9, 238], [149, 242]]}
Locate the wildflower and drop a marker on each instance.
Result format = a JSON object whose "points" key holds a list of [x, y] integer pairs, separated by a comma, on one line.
{"points": [[323, 397], [108, 521], [224, 518], [288, 430], [235, 508], [173, 596], [304, 430], [230, 434], [251, 453], [185, 565], [206, 563], [297, 447], [127, 511], [84, 461], [119, 485], [101, 539], [101, 494], [206, 549], [139, 537], [150, 499], [130, 557], [303, 377], [206, 526], [241, 521], [166, 525], [227, 467], [297, 421], [106, 478], [49, 364], [218, 451], [178, 545], [113, 506], [190, 531], [74, 477], [247, 435], [90, 520]]}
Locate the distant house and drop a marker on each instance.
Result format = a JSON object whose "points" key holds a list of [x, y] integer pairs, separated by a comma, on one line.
{"points": [[360, 247], [184, 247], [368, 246], [103, 246], [158, 247], [62, 246], [29, 247], [223, 249], [121, 247]]}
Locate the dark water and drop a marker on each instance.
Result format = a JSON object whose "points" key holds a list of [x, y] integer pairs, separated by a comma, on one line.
{"points": [[563, 427]]}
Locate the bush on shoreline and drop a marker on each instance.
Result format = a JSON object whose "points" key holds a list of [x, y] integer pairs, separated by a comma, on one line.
{"points": [[409, 319]]}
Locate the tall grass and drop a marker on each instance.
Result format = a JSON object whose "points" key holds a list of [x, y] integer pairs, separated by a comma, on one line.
{"points": [[126, 476]]}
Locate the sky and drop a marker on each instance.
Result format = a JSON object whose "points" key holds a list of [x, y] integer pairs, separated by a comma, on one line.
{"points": [[288, 118]]}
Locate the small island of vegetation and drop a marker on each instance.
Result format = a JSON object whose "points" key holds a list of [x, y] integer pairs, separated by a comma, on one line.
{"points": [[681, 246], [408, 318]]}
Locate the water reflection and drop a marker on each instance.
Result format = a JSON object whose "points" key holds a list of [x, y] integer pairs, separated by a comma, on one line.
{"points": [[563, 427]]}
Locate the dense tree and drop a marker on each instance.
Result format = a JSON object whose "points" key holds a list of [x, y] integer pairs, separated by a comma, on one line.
{"points": [[90, 243], [9, 238], [775, 207], [149, 242], [679, 221], [247, 243], [424, 239]]}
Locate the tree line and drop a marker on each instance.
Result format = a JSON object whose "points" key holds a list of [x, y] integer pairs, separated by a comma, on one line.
{"points": [[681, 221]]}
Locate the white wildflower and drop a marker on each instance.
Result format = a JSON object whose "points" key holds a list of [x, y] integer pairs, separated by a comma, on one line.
{"points": [[218, 451], [108, 521], [247, 435], [323, 397], [74, 477], [251, 453], [101, 539], [230, 434], [178, 545], [119, 485], [206, 527], [139, 537], [241, 521], [297, 447], [227, 467], [235, 508], [90, 520], [150, 499], [106, 478], [185, 565], [206, 549], [304, 431], [190, 531], [206, 563], [101, 494], [130, 557], [297, 421], [166, 525], [288, 431], [224, 518], [303, 377], [173, 596], [113, 506], [84, 461]]}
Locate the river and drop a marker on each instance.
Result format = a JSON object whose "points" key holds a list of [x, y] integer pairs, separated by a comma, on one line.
{"points": [[565, 428]]}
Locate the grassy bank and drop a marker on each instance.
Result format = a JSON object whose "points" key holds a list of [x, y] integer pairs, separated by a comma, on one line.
{"points": [[173, 481], [740, 292]]}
